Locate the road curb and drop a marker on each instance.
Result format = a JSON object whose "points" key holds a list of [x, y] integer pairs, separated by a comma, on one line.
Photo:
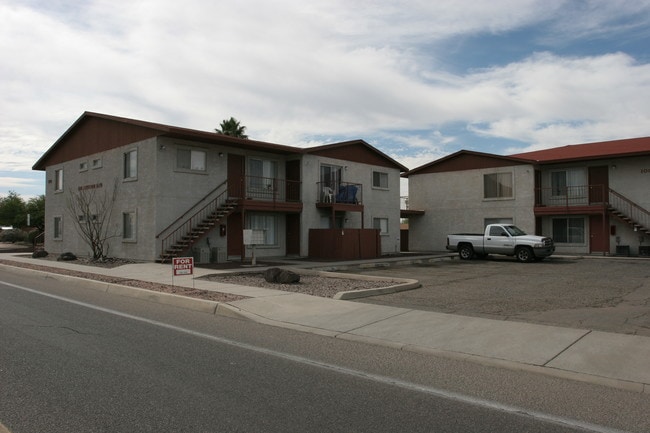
{"points": [[200, 305], [356, 294], [403, 284]]}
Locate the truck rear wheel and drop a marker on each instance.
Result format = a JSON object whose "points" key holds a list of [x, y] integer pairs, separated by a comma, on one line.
{"points": [[525, 254], [466, 252]]}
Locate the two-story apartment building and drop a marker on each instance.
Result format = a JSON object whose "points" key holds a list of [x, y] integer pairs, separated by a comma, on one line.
{"points": [[180, 191], [590, 198]]}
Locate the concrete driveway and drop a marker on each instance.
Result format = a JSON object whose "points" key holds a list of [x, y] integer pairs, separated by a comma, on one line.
{"points": [[608, 294]]}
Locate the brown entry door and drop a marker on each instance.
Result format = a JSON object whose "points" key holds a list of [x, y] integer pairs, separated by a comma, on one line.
{"points": [[293, 234], [598, 234], [235, 175], [598, 184]]}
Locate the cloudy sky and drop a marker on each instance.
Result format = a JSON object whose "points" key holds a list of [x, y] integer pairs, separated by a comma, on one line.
{"points": [[417, 79]]}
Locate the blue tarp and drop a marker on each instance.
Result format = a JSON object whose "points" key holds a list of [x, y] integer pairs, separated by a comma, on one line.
{"points": [[347, 194]]}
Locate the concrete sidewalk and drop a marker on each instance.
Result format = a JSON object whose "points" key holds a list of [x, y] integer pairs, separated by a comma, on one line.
{"points": [[609, 359]]}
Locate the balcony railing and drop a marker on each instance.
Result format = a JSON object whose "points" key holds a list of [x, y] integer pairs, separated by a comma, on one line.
{"points": [[581, 195], [341, 192], [266, 189]]}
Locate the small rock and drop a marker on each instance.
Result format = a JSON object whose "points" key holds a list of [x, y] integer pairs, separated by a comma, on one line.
{"points": [[287, 277], [67, 257]]}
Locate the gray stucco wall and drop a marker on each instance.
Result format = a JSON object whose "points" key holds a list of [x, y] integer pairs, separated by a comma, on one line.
{"points": [[161, 192], [378, 202], [132, 195]]}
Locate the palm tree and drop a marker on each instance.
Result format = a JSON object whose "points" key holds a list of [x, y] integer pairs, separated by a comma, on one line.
{"points": [[232, 128]]}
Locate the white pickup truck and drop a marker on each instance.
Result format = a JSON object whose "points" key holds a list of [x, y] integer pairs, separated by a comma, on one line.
{"points": [[503, 239]]}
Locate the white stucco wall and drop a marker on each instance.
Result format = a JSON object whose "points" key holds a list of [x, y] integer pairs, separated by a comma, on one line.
{"points": [[627, 176], [453, 203], [630, 177]]}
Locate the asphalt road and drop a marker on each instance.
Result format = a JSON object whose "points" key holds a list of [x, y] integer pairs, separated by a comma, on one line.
{"points": [[606, 294], [79, 361]]}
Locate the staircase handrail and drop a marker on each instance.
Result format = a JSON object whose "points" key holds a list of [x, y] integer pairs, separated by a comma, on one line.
{"points": [[632, 210], [191, 223], [39, 239], [198, 203]]}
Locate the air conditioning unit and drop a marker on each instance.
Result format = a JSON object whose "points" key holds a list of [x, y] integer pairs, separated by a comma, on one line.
{"points": [[219, 255], [204, 255]]}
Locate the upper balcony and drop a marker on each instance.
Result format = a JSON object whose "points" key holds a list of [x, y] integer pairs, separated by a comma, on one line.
{"points": [[345, 196], [571, 199], [267, 193]]}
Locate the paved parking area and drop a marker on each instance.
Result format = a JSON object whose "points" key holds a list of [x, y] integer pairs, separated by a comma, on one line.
{"points": [[606, 294]]}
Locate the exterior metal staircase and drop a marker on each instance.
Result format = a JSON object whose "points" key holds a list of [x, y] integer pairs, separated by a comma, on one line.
{"points": [[629, 212], [195, 223]]}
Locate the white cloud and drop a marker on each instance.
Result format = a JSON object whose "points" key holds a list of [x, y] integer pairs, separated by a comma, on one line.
{"points": [[296, 72], [548, 100]]}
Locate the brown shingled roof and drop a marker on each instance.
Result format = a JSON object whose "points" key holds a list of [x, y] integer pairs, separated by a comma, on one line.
{"points": [[355, 150], [600, 150]]}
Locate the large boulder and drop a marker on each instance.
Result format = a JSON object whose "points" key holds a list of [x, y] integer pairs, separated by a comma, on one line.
{"points": [[287, 277], [271, 274], [281, 276], [39, 254]]}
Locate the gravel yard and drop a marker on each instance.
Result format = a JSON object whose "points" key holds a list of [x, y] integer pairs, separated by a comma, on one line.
{"points": [[608, 294], [314, 285]]}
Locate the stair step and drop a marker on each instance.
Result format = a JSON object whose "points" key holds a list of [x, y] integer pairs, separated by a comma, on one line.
{"points": [[221, 209]]}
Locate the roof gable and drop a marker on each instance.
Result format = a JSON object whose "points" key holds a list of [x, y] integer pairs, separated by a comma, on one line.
{"points": [[356, 151], [466, 160], [93, 133]]}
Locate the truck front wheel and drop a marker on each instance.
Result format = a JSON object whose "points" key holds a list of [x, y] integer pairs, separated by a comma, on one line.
{"points": [[524, 254], [466, 252]]}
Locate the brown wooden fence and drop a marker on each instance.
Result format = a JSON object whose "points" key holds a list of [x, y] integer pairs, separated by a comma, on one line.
{"points": [[344, 244]]}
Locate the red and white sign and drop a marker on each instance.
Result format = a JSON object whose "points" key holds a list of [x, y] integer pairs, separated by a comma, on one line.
{"points": [[183, 265]]}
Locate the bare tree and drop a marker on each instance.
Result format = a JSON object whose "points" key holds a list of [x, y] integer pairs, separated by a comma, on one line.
{"points": [[91, 207]]}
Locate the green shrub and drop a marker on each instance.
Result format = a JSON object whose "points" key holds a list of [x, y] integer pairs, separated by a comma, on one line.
{"points": [[12, 236]]}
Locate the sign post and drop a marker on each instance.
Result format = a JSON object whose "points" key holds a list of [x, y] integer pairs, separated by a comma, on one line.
{"points": [[182, 266], [253, 237]]}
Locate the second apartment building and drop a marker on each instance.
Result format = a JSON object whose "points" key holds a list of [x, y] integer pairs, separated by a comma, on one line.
{"points": [[591, 198]]}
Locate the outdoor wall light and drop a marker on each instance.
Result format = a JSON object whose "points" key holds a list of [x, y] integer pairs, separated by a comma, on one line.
{"points": [[614, 167], [220, 154], [163, 147]]}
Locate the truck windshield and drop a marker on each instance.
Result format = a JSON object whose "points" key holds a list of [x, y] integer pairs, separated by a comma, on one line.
{"points": [[515, 231]]}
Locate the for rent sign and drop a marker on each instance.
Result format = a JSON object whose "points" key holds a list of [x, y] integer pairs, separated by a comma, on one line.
{"points": [[183, 265]]}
